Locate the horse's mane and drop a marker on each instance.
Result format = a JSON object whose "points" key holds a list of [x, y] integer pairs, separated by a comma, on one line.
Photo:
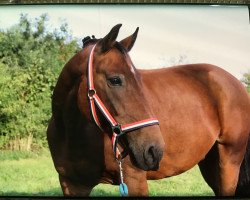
{"points": [[88, 40]]}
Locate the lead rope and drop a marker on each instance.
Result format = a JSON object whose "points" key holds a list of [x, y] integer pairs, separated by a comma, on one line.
{"points": [[118, 130], [123, 188]]}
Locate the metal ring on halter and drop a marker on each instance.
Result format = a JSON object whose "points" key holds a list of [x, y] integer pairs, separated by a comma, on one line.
{"points": [[124, 153], [91, 93], [117, 129], [121, 155]]}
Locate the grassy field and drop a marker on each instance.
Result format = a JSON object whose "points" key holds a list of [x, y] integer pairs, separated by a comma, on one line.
{"points": [[23, 173]]}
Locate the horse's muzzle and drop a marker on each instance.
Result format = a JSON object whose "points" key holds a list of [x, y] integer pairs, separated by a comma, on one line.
{"points": [[147, 158]]}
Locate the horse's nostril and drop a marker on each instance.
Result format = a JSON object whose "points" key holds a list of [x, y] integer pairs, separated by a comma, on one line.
{"points": [[151, 153], [152, 157]]}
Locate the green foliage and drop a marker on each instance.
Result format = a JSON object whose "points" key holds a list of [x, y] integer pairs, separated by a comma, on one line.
{"points": [[31, 58], [246, 80]]}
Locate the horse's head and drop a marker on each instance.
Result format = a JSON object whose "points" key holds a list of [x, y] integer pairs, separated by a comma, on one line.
{"points": [[119, 86]]}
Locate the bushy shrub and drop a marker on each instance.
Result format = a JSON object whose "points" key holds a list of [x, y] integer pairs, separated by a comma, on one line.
{"points": [[246, 80], [31, 58]]}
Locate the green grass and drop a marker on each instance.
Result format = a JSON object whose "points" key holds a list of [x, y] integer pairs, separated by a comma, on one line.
{"points": [[26, 173], [31, 174]]}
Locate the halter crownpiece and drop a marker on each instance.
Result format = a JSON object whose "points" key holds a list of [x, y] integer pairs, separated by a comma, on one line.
{"points": [[117, 129]]}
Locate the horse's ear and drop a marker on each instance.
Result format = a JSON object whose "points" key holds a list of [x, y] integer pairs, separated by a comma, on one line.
{"points": [[109, 40], [128, 42]]}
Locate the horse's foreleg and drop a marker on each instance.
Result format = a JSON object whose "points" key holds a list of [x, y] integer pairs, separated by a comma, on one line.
{"points": [[73, 188], [136, 181]]}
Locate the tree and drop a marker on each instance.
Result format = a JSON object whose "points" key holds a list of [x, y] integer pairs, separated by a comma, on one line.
{"points": [[246, 80], [31, 57]]}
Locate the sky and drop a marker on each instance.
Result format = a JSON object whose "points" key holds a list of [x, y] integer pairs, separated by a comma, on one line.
{"points": [[168, 35]]}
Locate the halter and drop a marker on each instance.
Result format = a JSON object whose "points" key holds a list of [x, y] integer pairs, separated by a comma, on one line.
{"points": [[117, 129]]}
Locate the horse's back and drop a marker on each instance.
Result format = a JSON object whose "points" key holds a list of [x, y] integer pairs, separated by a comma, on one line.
{"points": [[196, 105]]}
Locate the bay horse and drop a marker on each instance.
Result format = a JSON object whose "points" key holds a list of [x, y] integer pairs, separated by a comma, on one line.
{"points": [[193, 114]]}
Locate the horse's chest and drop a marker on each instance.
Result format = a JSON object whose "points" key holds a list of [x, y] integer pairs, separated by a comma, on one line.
{"points": [[110, 173]]}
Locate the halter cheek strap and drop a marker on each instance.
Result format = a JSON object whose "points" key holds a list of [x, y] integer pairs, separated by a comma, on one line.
{"points": [[117, 129]]}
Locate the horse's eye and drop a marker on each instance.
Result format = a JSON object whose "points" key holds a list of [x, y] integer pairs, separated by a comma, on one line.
{"points": [[115, 81]]}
